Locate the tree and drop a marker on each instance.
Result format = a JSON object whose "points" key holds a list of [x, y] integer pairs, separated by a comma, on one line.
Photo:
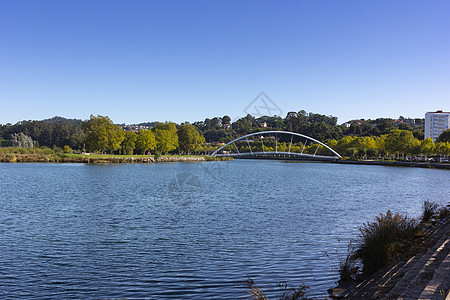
{"points": [[129, 142], [189, 139], [443, 148], [166, 137], [115, 138], [102, 134], [400, 141], [226, 120], [444, 137], [427, 146], [67, 149], [21, 140], [145, 140]]}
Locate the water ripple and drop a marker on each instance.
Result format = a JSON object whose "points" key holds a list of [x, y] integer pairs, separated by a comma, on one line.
{"points": [[171, 231]]}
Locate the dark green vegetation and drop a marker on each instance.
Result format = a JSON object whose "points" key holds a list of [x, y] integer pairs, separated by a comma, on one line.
{"points": [[382, 241], [365, 139], [444, 137]]}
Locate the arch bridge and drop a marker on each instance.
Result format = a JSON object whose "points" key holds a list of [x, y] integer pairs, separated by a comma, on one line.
{"points": [[309, 148]]}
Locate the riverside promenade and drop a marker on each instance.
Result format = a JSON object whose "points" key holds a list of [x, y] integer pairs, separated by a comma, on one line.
{"points": [[421, 273], [428, 165]]}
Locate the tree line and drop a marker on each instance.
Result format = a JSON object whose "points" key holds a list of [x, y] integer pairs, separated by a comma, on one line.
{"points": [[357, 138], [101, 134]]}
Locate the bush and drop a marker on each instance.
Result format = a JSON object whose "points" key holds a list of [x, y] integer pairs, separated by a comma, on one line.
{"points": [[381, 241], [46, 151], [429, 210], [157, 155], [443, 212], [67, 149]]}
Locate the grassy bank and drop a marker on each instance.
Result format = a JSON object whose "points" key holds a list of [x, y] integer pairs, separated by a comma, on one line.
{"points": [[50, 156]]}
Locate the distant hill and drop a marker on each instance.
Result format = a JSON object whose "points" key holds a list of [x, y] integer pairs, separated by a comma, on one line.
{"points": [[57, 119], [149, 124]]}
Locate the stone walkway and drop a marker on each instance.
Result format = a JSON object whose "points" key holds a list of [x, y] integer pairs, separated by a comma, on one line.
{"points": [[422, 273]]}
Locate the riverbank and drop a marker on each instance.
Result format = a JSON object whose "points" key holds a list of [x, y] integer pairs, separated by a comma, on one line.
{"points": [[423, 272], [429, 165], [102, 159]]}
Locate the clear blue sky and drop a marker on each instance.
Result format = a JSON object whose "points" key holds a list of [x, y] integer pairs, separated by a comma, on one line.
{"points": [[139, 61]]}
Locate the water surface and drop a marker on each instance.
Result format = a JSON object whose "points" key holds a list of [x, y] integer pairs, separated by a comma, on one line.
{"points": [[191, 231]]}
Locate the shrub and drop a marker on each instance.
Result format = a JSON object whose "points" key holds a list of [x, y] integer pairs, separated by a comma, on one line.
{"points": [[429, 210], [46, 151], [443, 212], [157, 155], [382, 240], [67, 149]]}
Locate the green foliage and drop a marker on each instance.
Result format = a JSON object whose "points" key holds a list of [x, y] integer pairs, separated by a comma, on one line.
{"points": [[427, 146], [442, 148], [102, 134], [46, 151], [226, 120], [57, 131], [166, 137], [189, 139], [129, 142], [401, 141], [382, 240], [444, 137], [157, 155], [372, 152], [145, 140], [67, 149]]}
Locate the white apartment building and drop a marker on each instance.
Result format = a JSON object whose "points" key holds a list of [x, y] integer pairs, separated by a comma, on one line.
{"points": [[435, 123]]}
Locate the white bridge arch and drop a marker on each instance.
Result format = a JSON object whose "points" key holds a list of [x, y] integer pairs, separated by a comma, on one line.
{"points": [[277, 154]]}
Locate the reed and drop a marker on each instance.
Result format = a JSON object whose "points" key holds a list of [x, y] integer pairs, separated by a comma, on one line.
{"points": [[384, 239]]}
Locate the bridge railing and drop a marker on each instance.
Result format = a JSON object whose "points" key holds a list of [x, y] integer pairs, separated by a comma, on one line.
{"points": [[309, 146]]}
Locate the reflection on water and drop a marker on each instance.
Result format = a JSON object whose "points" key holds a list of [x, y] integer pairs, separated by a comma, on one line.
{"points": [[190, 230]]}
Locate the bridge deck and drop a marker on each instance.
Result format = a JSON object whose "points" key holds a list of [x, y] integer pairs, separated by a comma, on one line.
{"points": [[279, 155]]}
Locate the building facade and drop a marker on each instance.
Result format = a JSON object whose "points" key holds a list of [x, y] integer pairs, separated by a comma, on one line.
{"points": [[435, 123]]}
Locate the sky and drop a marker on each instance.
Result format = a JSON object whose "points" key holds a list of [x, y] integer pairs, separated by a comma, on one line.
{"points": [[142, 60]]}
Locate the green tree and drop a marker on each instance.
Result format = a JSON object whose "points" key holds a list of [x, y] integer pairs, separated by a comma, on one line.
{"points": [[189, 139], [226, 120], [129, 142], [443, 148], [115, 138], [102, 134], [427, 146], [345, 143], [364, 143], [166, 137], [400, 141], [67, 149], [444, 137], [145, 141]]}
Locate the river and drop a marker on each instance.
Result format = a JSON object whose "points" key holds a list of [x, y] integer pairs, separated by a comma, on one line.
{"points": [[191, 230]]}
